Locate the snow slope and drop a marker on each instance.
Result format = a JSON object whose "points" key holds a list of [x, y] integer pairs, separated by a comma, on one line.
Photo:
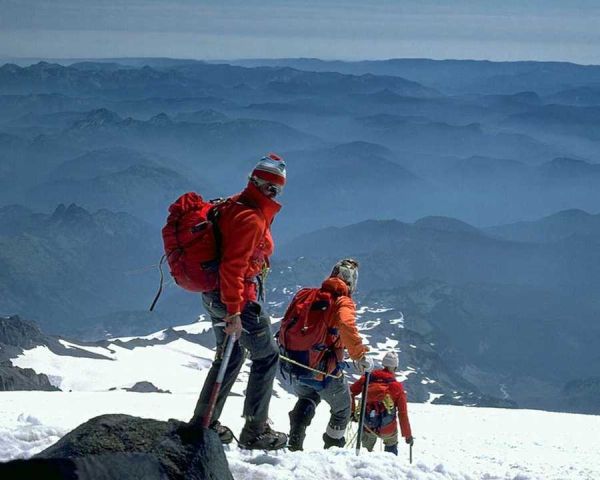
{"points": [[176, 366], [451, 442]]}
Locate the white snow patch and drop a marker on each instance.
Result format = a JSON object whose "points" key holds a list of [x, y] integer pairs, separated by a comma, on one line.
{"points": [[105, 352], [369, 324], [389, 344], [366, 309], [402, 375], [177, 366], [398, 321], [195, 328], [24, 436], [434, 396], [153, 336]]}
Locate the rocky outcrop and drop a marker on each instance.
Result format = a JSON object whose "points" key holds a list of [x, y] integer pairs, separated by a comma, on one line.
{"points": [[20, 334], [16, 378], [111, 447], [17, 335], [146, 387], [472, 399], [132, 466]]}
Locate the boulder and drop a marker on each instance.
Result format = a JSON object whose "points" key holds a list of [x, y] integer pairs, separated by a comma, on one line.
{"points": [[131, 466], [121, 446], [146, 387]]}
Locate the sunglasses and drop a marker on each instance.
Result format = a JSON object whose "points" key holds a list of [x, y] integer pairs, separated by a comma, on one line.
{"points": [[271, 189]]}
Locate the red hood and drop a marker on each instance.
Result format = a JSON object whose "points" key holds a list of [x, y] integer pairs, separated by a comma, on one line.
{"points": [[336, 286], [254, 198], [383, 374]]}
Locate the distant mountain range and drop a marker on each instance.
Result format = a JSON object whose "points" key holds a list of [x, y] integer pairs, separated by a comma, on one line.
{"points": [[461, 186], [72, 264], [187, 79], [209, 121], [456, 76], [554, 228]]}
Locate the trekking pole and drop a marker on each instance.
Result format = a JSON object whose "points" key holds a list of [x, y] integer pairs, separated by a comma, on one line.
{"points": [[206, 421], [410, 454], [363, 409]]}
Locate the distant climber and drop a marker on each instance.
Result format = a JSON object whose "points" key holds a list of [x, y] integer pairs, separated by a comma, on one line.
{"points": [[318, 325], [386, 400]]}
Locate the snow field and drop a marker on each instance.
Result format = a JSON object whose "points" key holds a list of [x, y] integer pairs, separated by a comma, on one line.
{"points": [[178, 366], [452, 443]]}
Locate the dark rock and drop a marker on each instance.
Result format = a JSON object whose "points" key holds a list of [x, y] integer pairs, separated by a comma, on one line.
{"points": [[474, 400], [17, 335], [94, 467], [146, 387], [20, 333], [16, 378], [127, 443], [56, 469]]}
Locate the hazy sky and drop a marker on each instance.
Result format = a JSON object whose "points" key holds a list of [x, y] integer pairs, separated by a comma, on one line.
{"points": [[496, 30]]}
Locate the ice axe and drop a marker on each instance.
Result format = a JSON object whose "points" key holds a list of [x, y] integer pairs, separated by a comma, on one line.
{"points": [[363, 409], [229, 343]]}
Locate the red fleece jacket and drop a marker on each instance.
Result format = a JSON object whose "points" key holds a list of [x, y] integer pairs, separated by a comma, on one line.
{"points": [[383, 381], [246, 245]]}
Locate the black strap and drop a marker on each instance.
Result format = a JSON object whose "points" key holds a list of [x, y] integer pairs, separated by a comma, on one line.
{"points": [[160, 287]]}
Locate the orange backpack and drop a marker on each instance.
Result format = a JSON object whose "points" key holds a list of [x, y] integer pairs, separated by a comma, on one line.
{"points": [[306, 336]]}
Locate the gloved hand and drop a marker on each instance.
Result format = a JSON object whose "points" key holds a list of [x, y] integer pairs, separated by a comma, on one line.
{"points": [[410, 441], [355, 415], [365, 364], [233, 325]]}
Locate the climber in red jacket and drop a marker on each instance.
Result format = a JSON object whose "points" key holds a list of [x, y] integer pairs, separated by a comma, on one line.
{"points": [[246, 245], [386, 400]]}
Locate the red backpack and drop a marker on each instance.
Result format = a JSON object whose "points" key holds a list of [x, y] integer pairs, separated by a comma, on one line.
{"points": [[306, 336], [191, 241], [381, 409]]}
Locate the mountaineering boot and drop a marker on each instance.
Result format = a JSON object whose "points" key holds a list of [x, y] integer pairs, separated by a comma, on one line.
{"points": [[192, 432], [260, 436], [300, 418], [225, 433], [392, 449], [333, 442]]}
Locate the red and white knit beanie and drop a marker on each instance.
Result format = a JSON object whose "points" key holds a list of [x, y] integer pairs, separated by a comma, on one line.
{"points": [[270, 168]]}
